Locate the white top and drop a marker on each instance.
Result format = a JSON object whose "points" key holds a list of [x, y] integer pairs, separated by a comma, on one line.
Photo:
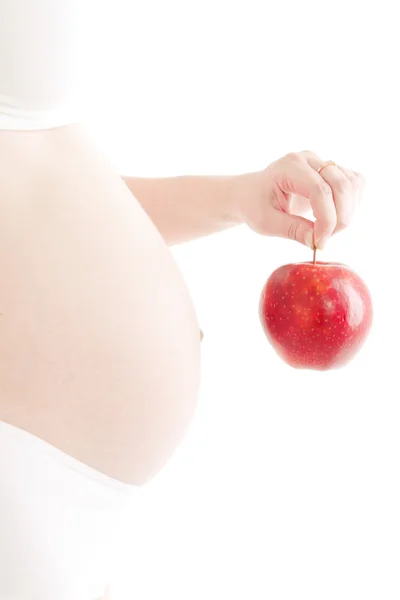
{"points": [[40, 43]]}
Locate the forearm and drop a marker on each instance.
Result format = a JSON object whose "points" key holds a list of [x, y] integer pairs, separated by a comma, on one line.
{"points": [[186, 208]]}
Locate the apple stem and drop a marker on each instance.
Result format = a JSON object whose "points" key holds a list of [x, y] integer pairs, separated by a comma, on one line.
{"points": [[315, 256]]}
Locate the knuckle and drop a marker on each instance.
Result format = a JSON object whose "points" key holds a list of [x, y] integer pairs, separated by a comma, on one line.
{"points": [[293, 230], [322, 188], [293, 157], [331, 227], [352, 176], [356, 179], [343, 221], [340, 226], [329, 222], [296, 158], [344, 186], [308, 154]]}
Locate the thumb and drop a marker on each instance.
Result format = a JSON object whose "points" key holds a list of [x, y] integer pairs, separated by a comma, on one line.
{"points": [[295, 228]]}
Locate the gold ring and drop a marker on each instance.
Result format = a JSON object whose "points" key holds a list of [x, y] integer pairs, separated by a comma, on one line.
{"points": [[329, 163]]}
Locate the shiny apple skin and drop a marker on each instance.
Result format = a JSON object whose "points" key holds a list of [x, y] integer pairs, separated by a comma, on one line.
{"points": [[316, 316]]}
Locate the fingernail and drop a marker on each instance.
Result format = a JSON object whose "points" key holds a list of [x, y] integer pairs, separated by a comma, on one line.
{"points": [[309, 239], [322, 242]]}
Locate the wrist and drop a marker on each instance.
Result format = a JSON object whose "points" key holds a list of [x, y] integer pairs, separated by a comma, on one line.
{"points": [[243, 188], [224, 194], [232, 194]]}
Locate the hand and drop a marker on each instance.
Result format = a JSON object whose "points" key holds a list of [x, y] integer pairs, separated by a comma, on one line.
{"points": [[271, 201]]}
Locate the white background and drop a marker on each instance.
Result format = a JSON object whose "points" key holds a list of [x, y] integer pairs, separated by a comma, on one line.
{"points": [[287, 485]]}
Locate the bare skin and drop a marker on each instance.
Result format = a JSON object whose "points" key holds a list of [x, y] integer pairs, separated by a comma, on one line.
{"points": [[99, 341]]}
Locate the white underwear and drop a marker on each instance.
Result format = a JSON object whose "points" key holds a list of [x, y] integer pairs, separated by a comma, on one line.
{"points": [[40, 63], [61, 522]]}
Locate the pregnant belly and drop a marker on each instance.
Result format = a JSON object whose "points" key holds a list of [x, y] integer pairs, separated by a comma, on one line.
{"points": [[99, 342]]}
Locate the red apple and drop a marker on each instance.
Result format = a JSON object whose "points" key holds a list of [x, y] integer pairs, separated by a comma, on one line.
{"points": [[316, 316]]}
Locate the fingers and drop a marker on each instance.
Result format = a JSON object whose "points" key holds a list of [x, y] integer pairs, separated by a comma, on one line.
{"points": [[345, 186], [357, 181], [295, 228], [342, 190], [333, 194], [305, 181]]}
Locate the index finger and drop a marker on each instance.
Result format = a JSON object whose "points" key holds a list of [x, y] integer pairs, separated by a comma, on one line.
{"points": [[308, 183]]}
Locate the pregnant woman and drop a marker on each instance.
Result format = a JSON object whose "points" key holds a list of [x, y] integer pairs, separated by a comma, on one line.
{"points": [[99, 341]]}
